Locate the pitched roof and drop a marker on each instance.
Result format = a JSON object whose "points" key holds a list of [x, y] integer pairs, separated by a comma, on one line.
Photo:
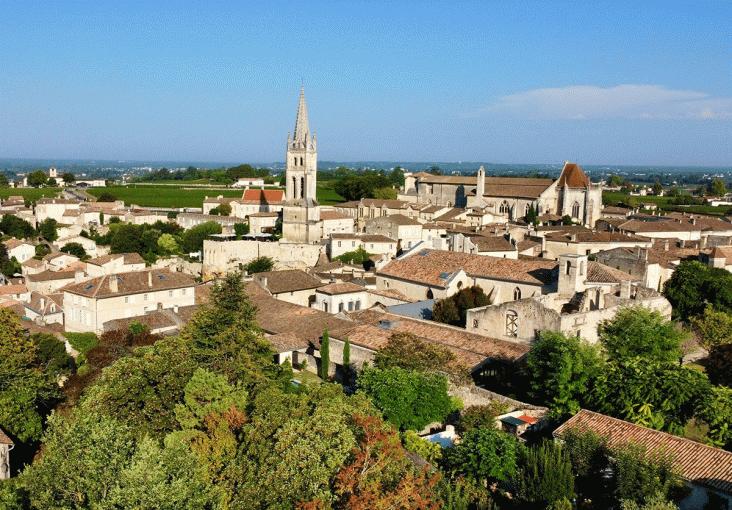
{"points": [[333, 289], [573, 176], [45, 276], [492, 243], [451, 214], [4, 439], [263, 196], [436, 267], [397, 219], [375, 327], [334, 215], [516, 187], [18, 288], [132, 283], [14, 243], [722, 252], [600, 273], [289, 280], [286, 342], [594, 237], [127, 258], [35, 302], [696, 462]]}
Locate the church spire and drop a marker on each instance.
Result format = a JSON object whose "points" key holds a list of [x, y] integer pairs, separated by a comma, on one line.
{"points": [[302, 128]]}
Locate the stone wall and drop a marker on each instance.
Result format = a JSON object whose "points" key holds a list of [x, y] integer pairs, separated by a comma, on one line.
{"points": [[220, 257], [476, 396]]}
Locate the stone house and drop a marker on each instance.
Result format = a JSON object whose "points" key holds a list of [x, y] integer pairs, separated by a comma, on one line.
{"points": [[189, 220], [335, 222], [494, 246], [258, 200], [587, 293], [555, 244], [370, 208], [49, 282], [721, 257], [45, 308], [341, 297], [406, 230], [88, 305], [294, 285], [6, 444], [54, 208], [115, 263], [376, 244], [21, 250], [262, 223]]}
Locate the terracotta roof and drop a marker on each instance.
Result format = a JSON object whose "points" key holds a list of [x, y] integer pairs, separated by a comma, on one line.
{"points": [[392, 293], [432, 209], [451, 214], [722, 252], [334, 215], [13, 289], [275, 316], [14, 243], [45, 276], [658, 226], [573, 176], [333, 289], [696, 462], [611, 209], [263, 215], [527, 244], [594, 237], [515, 187], [376, 238], [600, 273], [4, 439], [492, 243], [386, 203], [32, 263], [397, 219], [376, 327], [131, 283], [263, 196], [35, 302], [127, 258], [286, 342], [289, 280], [449, 179], [435, 267]]}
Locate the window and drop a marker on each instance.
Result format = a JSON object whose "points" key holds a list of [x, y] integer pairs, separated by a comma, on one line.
{"points": [[527, 210], [516, 294], [182, 292], [353, 244], [127, 299], [504, 208], [340, 307], [339, 244], [170, 293], [475, 323], [511, 324], [582, 268], [567, 267], [145, 297], [575, 210], [325, 306], [350, 306], [460, 285], [430, 295], [358, 304]]}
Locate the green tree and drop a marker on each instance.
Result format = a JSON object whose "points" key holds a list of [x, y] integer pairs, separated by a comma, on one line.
{"points": [[42, 250], [106, 196], [657, 188], [259, 265], [221, 210], [51, 182], [16, 227], [324, 356], [47, 229], [406, 351], [8, 266], [453, 310], [207, 393], [642, 475], [385, 193], [484, 455], [51, 353], [68, 177], [4, 182], [657, 502], [544, 475], [531, 215], [126, 238], [408, 399], [28, 388], [167, 245], [717, 187], [715, 409], [241, 229], [75, 249], [83, 456], [347, 355], [429, 451], [719, 364], [478, 416], [616, 180], [193, 237], [37, 178], [639, 331], [693, 285], [714, 328], [588, 454], [396, 176], [358, 256], [561, 371]]}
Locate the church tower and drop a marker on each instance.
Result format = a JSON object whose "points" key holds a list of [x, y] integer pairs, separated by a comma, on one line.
{"points": [[301, 213]]}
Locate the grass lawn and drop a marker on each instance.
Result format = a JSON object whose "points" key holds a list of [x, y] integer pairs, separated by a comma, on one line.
{"points": [[163, 195], [31, 194], [663, 203], [82, 342], [306, 378], [327, 195]]}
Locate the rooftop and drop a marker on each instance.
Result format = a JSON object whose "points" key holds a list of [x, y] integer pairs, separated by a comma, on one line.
{"points": [[289, 280], [131, 283], [333, 289]]}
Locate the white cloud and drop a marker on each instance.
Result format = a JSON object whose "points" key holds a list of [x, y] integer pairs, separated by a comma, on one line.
{"points": [[618, 102]]}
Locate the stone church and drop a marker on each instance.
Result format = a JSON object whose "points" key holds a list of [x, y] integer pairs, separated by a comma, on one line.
{"points": [[301, 221], [509, 198]]}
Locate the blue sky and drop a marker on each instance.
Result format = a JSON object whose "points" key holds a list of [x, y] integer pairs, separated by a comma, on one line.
{"points": [[526, 82]]}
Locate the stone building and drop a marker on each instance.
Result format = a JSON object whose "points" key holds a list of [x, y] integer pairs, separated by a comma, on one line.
{"points": [[6, 444], [587, 293], [301, 212], [510, 198]]}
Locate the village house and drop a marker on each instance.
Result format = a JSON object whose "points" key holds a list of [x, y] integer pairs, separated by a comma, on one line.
{"points": [[190, 220], [213, 202], [341, 297], [20, 250], [370, 208], [262, 223], [45, 309], [6, 444], [49, 282], [674, 225], [555, 244], [436, 274], [407, 231], [144, 216], [115, 263], [587, 293], [54, 208], [161, 321], [258, 200], [88, 305], [14, 291], [335, 222], [375, 244], [243, 182], [294, 286], [720, 257], [704, 469], [494, 246]]}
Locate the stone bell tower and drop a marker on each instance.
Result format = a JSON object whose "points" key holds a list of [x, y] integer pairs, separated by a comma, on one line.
{"points": [[301, 213]]}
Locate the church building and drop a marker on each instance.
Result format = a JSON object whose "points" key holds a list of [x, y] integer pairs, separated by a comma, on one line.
{"points": [[301, 221]]}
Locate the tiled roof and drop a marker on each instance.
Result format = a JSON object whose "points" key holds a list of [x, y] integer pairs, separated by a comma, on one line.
{"points": [[32, 263], [263, 215], [13, 289], [722, 252], [696, 462], [470, 349], [515, 187], [14, 243], [45, 276], [289, 280], [263, 196], [600, 273], [611, 209], [492, 243], [35, 302], [573, 176], [286, 342], [333, 289], [451, 214], [527, 244], [397, 219], [4, 439], [435, 267], [432, 209], [392, 293], [594, 237], [376, 238], [132, 283], [449, 179], [334, 215]]}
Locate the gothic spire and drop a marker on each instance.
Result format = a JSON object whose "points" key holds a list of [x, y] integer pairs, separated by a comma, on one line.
{"points": [[302, 128]]}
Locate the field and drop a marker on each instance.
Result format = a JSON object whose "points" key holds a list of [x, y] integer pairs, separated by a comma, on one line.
{"points": [[31, 194], [663, 203], [168, 195]]}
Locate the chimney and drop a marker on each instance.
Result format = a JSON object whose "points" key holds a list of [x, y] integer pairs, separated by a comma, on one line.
{"points": [[149, 278], [665, 245], [113, 284], [78, 276], [263, 281], [43, 303], [703, 242], [625, 289]]}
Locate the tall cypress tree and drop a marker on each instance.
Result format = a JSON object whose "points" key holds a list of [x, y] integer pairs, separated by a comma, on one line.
{"points": [[324, 355], [347, 360]]}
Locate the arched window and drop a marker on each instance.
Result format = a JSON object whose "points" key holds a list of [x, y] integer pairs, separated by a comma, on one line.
{"points": [[430, 295], [460, 285], [575, 210], [504, 208], [567, 267], [302, 187], [527, 209], [511, 323], [516, 294]]}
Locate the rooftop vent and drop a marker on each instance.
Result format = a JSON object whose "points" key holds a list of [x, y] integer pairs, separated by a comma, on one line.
{"points": [[387, 324], [444, 276]]}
